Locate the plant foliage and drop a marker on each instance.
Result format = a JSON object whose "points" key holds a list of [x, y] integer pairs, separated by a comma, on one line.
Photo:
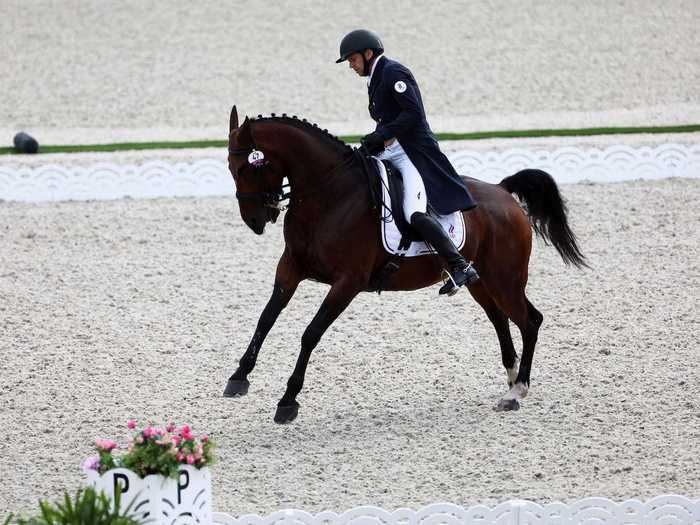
{"points": [[154, 450], [87, 507]]}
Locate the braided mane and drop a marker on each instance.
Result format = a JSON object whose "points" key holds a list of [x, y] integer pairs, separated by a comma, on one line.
{"points": [[305, 125]]}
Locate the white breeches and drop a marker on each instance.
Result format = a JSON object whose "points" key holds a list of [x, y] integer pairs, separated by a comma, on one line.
{"points": [[414, 197]]}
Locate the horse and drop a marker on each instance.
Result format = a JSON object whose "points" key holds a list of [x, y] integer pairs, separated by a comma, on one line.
{"points": [[330, 203]]}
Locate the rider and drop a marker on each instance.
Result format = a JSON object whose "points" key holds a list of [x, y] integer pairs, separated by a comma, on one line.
{"points": [[403, 137]]}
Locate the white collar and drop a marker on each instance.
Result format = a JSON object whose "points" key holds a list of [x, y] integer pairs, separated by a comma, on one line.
{"points": [[374, 65]]}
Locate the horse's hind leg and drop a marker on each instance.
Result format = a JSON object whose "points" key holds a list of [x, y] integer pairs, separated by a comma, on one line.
{"points": [[528, 319], [286, 282], [501, 324], [534, 320]]}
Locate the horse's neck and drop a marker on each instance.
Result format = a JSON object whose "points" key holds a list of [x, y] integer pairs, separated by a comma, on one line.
{"points": [[325, 187], [312, 169], [320, 174]]}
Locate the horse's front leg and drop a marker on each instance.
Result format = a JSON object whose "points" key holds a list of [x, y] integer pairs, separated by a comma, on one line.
{"points": [[286, 281], [339, 297]]}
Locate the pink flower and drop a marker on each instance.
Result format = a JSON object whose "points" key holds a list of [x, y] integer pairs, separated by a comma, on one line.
{"points": [[190, 459], [185, 429], [180, 456], [176, 440], [204, 438], [92, 463], [131, 424], [171, 427], [106, 444], [147, 432]]}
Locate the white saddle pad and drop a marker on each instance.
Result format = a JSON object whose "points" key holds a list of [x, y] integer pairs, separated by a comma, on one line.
{"points": [[453, 224]]}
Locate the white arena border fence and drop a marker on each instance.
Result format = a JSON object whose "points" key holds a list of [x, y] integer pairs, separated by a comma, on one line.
{"points": [[662, 510], [210, 177]]}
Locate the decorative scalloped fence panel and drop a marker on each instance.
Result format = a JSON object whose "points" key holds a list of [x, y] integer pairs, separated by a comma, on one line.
{"points": [[106, 181], [612, 164], [211, 177], [662, 510]]}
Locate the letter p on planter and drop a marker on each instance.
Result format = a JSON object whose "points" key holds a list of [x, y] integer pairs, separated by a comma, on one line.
{"points": [[157, 499]]}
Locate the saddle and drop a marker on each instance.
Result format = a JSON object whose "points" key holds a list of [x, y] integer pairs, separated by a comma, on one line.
{"points": [[399, 238], [396, 192]]}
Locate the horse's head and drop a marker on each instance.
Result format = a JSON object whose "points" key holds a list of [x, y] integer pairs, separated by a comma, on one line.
{"points": [[257, 174]]}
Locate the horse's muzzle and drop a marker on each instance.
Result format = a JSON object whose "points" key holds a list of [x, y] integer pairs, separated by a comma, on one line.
{"points": [[257, 225]]}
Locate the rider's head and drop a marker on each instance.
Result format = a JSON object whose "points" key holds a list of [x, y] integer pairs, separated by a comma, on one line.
{"points": [[360, 48]]}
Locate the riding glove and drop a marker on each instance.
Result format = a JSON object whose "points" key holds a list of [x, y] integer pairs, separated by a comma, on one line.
{"points": [[373, 143]]}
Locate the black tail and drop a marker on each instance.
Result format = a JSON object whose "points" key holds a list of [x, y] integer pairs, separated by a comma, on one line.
{"points": [[547, 212]]}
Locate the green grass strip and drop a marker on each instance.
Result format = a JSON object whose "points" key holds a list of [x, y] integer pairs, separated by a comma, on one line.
{"points": [[478, 135]]}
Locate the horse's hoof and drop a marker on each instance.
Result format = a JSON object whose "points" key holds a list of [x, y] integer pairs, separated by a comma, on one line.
{"points": [[236, 387], [508, 405], [286, 414]]}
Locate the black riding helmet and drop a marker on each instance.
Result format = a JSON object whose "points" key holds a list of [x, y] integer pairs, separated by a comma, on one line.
{"points": [[356, 42]]}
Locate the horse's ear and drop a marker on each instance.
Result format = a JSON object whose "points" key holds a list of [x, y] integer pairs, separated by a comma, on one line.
{"points": [[244, 134], [233, 122]]}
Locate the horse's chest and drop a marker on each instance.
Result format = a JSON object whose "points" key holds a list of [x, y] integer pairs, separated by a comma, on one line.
{"points": [[303, 243], [317, 252]]}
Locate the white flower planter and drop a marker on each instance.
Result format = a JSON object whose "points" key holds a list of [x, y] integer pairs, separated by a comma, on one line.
{"points": [[159, 500]]}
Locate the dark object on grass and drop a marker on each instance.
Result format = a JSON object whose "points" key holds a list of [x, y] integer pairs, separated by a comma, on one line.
{"points": [[25, 143]]}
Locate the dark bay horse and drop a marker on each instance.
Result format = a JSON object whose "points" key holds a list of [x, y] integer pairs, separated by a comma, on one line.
{"points": [[330, 206]]}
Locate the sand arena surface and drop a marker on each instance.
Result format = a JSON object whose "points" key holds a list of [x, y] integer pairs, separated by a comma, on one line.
{"points": [[84, 72], [114, 310], [122, 309]]}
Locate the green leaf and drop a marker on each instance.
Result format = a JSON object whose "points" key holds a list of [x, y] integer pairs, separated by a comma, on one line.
{"points": [[87, 507]]}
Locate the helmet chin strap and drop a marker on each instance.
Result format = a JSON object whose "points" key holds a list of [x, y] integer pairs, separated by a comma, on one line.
{"points": [[367, 64]]}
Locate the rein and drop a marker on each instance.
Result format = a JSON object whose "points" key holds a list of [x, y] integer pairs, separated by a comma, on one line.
{"points": [[274, 199]]}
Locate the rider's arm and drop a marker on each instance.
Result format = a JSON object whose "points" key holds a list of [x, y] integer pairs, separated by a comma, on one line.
{"points": [[404, 93]]}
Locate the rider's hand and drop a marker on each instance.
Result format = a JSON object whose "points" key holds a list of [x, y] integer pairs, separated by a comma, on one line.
{"points": [[373, 143]]}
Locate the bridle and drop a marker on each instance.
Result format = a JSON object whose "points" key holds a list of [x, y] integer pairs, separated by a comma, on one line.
{"points": [[269, 199], [274, 199]]}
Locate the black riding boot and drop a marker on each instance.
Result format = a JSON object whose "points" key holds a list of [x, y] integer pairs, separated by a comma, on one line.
{"points": [[461, 273]]}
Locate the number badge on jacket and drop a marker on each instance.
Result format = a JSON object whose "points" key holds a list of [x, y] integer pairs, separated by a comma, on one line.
{"points": [[400, 86]]}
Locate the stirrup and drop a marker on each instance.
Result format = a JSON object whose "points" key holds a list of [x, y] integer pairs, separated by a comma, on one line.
{"points": [[448, 279], [450, 286]]}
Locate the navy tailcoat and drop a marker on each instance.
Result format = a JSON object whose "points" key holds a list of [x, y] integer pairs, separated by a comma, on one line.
{"points": [[396, 105]]}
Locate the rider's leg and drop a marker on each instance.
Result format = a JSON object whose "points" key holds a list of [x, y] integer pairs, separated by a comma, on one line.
{"points": [[414, 207], [430, 230]]}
